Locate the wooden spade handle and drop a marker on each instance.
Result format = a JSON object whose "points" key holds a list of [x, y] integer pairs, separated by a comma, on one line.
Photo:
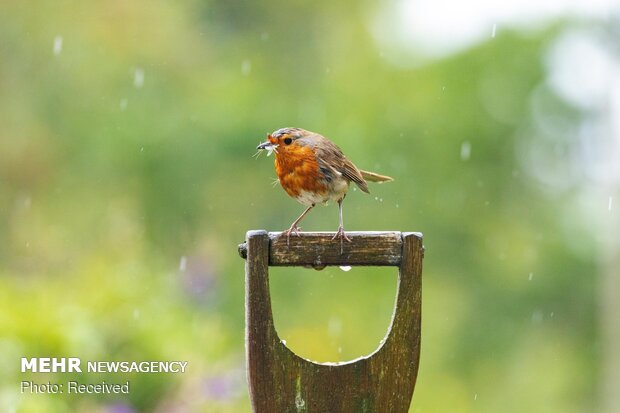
{"points": [[281, 381], [317, 249]]}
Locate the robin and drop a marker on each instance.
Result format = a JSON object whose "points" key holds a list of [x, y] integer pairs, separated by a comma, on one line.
{"points": [[312, 169]]}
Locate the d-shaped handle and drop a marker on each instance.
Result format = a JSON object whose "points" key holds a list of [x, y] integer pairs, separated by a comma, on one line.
{"points": [[281, 381]]}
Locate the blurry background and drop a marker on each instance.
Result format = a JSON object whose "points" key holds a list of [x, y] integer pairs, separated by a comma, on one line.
{"points": [[127, 131]]}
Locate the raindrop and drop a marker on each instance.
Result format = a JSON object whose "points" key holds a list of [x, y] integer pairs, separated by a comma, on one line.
{"points": [[611, 201], [246, 67], [123, 104], [494, 30], [530, 276], [537, 317], [27, 202], [334, 327], [283, 342], [475, 396], [183, 263], [57, 45], [136, 313], [465, 151], [138, 78]]}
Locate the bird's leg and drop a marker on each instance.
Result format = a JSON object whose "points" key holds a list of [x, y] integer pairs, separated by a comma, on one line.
{"points": [[340, 233], [294, 228]]}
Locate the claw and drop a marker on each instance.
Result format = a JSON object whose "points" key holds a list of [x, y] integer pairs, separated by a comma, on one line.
{"points": [[340, 233], [295, 229]]}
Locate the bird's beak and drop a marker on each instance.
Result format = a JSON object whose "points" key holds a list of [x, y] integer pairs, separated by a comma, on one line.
{"points": [[269, 147], [263, 145]]}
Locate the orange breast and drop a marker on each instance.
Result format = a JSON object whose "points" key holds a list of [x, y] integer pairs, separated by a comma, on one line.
{"points": [[298, 171]]}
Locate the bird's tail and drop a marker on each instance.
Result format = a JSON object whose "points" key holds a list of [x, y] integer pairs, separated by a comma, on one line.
{"points": [[373, 177]]}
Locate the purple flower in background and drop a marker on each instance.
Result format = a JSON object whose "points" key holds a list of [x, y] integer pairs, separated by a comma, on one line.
{"points": [[226, 386], [119, 408], [199, 277]]}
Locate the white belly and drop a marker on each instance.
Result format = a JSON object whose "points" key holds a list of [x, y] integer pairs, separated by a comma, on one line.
{"points": [[338, 189]]}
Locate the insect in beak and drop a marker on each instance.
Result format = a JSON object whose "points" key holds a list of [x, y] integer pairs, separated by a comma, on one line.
{"points": [[269, 147]]}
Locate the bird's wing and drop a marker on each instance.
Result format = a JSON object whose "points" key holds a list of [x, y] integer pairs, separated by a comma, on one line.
{"points": [[329, 156]]}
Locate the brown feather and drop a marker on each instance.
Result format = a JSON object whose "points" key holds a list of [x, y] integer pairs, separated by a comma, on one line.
{"points": [[329, 155], [373, 177], [351, 172]]}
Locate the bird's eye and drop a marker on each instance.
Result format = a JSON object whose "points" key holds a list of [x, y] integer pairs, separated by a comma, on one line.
{"points": [[288, 141]]}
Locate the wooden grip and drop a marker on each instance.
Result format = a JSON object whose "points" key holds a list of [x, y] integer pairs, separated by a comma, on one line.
{"points": [[317, 249]]}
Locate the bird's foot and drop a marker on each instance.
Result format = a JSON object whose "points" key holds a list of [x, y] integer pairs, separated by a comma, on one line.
{"points": [[293, 229], [340, 233]]}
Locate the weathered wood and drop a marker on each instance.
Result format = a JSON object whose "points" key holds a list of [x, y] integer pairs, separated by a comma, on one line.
{"points": [[317, 249], [281, 381]]}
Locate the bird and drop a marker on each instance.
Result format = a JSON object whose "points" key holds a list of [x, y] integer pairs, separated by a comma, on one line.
{"points": [[313, 170]]}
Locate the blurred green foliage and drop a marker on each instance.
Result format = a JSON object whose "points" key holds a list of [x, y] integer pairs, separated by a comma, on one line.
{"points": [[126, 182]]}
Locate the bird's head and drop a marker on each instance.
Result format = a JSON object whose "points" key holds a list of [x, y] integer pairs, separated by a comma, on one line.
{"points": [[283, 140]]}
